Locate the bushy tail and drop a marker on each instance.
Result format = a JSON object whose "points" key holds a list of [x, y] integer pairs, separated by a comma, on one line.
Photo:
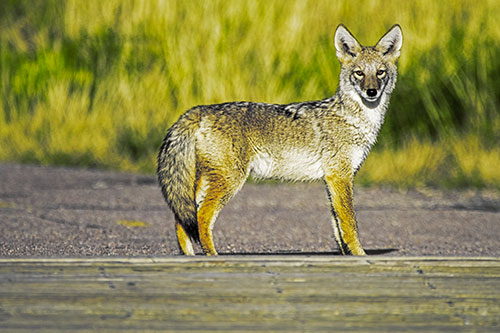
{"points": [[177, 173]]}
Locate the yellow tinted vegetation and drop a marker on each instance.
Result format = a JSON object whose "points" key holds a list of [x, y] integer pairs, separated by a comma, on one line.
{"points": [[97, 83]]}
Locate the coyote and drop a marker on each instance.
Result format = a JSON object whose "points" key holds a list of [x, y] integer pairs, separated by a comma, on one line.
{"points": [[208, 154]]}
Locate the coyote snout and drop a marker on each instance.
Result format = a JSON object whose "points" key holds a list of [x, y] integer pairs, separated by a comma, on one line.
{"points": [[211, 150]]}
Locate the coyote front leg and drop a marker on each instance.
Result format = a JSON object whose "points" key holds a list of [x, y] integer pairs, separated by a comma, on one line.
{"points": [[344, 222]]}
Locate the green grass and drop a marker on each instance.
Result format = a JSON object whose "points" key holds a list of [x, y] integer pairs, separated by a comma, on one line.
{"points": [[97, 83]]}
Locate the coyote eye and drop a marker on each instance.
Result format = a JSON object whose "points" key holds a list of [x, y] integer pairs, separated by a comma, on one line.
{"points": [[380, 73], [359, 74]]}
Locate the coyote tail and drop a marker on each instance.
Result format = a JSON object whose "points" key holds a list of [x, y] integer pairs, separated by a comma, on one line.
{"points": [[177, 173]]}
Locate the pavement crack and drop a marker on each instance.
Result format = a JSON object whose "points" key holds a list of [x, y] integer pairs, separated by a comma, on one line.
{"points": [[105, 208], [66, 222], [56, 220]]}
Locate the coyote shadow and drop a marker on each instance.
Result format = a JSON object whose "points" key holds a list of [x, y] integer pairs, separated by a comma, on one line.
{"points": [[372, 252]]}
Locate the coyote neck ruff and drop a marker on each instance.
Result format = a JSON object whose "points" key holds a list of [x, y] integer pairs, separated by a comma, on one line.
{"points": [[208, 154]]}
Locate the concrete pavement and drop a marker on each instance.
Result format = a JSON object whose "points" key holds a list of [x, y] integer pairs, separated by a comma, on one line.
{"points": [[68, 212]]}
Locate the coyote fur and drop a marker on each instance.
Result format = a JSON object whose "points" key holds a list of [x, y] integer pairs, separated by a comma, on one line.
{"points": [[208, 154]]}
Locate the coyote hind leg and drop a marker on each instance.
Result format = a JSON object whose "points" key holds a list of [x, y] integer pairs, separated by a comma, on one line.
{"points": [[183, 240], [217, 191]]}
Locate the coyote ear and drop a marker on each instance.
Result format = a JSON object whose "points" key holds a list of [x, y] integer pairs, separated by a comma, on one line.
{"points": [[347, 46], [390, 43]]}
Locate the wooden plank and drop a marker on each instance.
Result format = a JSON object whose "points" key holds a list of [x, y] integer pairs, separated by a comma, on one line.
{"points": [[262, 293]]}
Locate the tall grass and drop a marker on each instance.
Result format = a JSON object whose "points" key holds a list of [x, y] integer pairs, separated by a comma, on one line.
{"points": [[97, 83]]}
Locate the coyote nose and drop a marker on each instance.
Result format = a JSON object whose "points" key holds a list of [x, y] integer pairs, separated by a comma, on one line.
{"points": [[371, 92]]}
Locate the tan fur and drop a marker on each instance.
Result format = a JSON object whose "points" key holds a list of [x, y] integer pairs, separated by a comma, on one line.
{"points": [[211, 150]]}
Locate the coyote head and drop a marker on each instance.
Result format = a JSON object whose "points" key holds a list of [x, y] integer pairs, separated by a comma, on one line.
{"points": [[368, 72]]}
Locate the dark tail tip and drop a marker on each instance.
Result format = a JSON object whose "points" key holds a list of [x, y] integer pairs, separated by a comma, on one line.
{"points": [[191, 228]]}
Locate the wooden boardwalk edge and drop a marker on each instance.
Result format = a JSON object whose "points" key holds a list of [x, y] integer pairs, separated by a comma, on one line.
{"points": [[250, 293], [243, 258]]}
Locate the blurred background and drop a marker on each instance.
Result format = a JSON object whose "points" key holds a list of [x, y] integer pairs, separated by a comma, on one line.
{"points": [[97, 83]]}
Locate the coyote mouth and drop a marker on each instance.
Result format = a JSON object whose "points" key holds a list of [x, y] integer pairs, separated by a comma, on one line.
{"points": [[371, 102], [371, 99]]}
